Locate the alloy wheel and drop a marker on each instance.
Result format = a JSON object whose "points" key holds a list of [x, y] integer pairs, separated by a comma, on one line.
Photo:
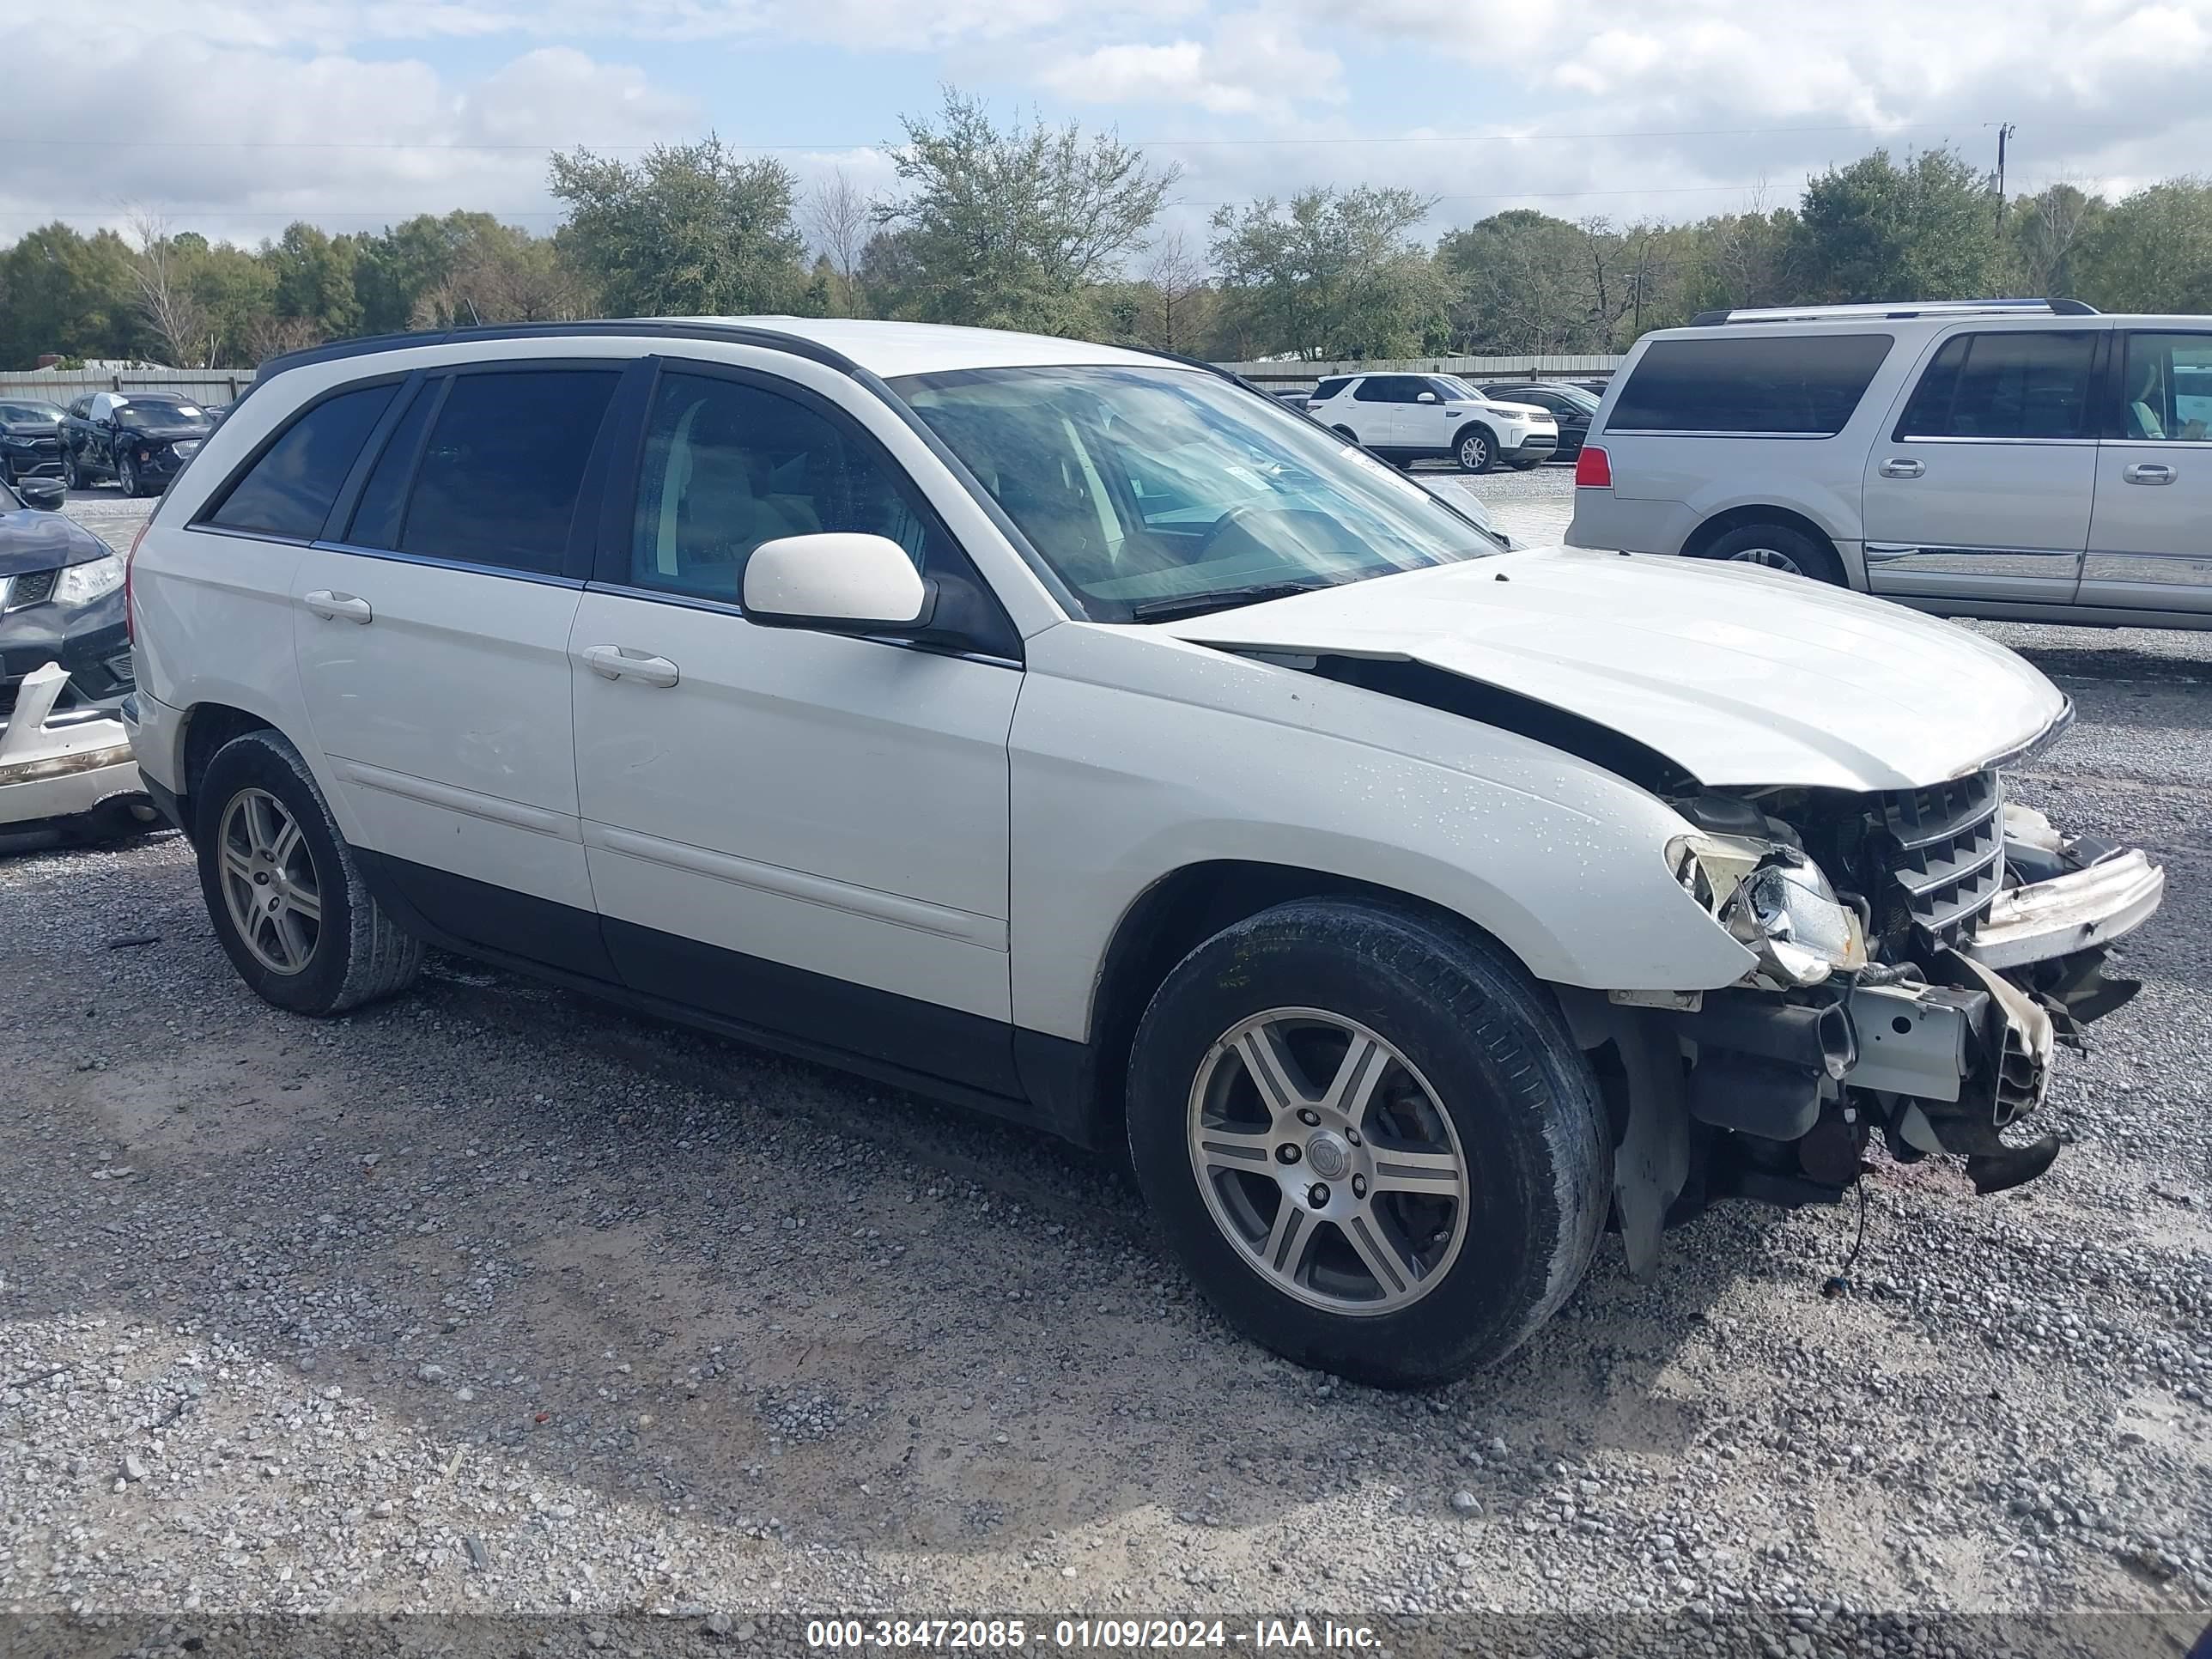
{"points": [[269, 883], [1772, 559], [128, 477], [1474, 452], [1327, 1161]]}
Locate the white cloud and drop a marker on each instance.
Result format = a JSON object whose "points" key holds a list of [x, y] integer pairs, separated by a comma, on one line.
{"points": [[1253, 64], [254, 138]]}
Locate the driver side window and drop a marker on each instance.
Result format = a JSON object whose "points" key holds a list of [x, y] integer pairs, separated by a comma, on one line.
{"points": [[729, 465]]}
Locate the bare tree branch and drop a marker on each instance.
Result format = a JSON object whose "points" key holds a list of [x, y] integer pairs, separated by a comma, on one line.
{"points": [[164, 298]]}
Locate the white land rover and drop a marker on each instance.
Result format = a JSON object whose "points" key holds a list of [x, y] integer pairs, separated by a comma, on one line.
{"points": [[1084, 736]]}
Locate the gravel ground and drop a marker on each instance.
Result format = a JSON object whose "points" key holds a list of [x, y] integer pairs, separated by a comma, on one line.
{"points": [[494, 1301]]}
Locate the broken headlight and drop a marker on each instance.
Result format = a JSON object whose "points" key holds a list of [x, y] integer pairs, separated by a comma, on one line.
{"points": [[80, 584], [1774, 902]]}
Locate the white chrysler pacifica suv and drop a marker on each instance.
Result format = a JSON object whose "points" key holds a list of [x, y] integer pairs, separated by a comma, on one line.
{"points": [[1082, 736]]}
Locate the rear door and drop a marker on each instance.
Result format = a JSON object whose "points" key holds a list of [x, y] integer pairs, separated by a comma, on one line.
{"points": [[1979, 487], [432, 626], [2150, 531], [1377, 410]]}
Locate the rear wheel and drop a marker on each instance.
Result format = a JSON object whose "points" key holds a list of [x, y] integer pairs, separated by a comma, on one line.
{"points": [[284, 891], [1476, 450], [1368, 1137], [1778, 547]]}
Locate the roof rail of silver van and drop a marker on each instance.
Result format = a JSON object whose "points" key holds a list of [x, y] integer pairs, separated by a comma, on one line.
{"points": [[1881, 313]]}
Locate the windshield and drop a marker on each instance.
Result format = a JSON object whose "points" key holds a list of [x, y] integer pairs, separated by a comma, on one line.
{"points": [[160, 411], [29, 412], [1139, 486], [1574, 394]]}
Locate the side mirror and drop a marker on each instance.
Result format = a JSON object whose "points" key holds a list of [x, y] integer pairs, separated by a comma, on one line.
{"points": [[1428, 397], [837, 582], [45, 493]]}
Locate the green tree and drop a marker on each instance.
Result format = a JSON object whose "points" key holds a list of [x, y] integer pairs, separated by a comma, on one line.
{"points": [[72, 295], [690, 230], [1016, 228], [2151, 251], [314, 275], [238, 292], [394, 270], [1330, 274], [1875, 230]]}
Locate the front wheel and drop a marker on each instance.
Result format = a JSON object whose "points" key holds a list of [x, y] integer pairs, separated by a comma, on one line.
{"points": [[126, 475], [1370, 1138], [1476, 451], [284, 891], [71, 479]]}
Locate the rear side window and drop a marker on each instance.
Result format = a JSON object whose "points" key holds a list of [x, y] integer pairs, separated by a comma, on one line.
{"points": [[1330, 387], [2013, 383], [378, 516], [498, 481], [1807, 386], [289, 490], [1387, 389]]}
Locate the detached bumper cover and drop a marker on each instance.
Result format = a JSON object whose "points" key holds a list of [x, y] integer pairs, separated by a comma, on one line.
{"points": [[2069, 913], [60, 767]]}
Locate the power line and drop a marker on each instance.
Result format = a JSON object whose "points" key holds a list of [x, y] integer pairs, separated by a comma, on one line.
{"points": [[14, 141]]}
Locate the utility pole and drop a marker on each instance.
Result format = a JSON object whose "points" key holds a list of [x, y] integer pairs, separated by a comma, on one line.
{"points": [[2004, 132]]}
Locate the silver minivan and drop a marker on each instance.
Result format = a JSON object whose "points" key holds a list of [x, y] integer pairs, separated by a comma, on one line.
{"points": [[2026, 459]]}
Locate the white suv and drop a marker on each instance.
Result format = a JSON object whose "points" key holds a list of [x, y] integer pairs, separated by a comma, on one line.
{"points": [[1421, 417], [2029, 459], [1080, 735]]}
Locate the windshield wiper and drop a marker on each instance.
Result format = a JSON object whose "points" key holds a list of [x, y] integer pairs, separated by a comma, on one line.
{"points": [[1221, 598]]}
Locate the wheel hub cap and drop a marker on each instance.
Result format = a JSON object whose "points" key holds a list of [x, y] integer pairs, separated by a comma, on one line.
{"points": [[1329, 1155]]}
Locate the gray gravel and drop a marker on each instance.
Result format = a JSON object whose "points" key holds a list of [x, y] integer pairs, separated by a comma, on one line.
{"points": [[496, 1300]]}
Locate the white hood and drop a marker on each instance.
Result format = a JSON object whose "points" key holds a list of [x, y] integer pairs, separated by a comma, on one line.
{"points": [[1740, 675]]}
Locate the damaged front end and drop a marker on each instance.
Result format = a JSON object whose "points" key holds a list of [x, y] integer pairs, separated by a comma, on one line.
{"points": [[1921, 955]]}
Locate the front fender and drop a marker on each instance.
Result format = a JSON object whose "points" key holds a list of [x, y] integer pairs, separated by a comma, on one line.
{"points": [[1227, 758]]}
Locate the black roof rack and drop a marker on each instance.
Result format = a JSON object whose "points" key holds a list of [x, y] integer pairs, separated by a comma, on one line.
{"points": [[683, 328]]}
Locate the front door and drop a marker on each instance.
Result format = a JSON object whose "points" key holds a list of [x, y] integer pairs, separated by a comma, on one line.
{"points": [[803, 832], [1979, 487], [432, 636], [2150, 533]]}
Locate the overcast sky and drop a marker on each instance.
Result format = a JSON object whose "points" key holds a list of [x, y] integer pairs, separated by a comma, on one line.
{"points": [[237, 116]]}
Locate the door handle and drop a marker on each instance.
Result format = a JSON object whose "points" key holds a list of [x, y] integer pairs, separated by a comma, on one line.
{"points": [[618, 662], [1901, 467], [2148, 472], [331, 607]]}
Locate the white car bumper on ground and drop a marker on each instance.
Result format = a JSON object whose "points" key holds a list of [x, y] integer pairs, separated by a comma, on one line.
{"points": [[60, 766]]}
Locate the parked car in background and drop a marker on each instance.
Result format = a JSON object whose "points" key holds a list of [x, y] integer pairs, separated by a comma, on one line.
{"points": [[1569, 404], [1416, 417], [1295, 399], [30, 438], [1081, 735], [65, 668], [140, 438], [2018, 459]]}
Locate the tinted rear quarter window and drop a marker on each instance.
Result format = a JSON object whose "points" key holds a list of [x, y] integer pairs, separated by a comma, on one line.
{"points": [[289, 490], [499, 479], [382, 508], [1329, 388], [1805, 386]]}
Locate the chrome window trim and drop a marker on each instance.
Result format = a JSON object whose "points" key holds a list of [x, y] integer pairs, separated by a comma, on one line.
{"points": [[466, 566]]}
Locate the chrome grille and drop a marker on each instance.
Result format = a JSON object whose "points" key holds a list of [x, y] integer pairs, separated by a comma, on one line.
{"points": [[1948, 852]]}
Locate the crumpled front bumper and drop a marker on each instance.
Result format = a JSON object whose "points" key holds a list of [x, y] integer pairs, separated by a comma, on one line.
{"points": [[60, 765], [1964, 1058]]}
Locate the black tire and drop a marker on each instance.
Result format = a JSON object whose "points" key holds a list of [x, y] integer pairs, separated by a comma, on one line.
{"points": [[359, 954], [71, 479], [1475, 449], [126, 477], [1528, 465], [1499, 1059], [1345, 433], [1785, 547]]}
